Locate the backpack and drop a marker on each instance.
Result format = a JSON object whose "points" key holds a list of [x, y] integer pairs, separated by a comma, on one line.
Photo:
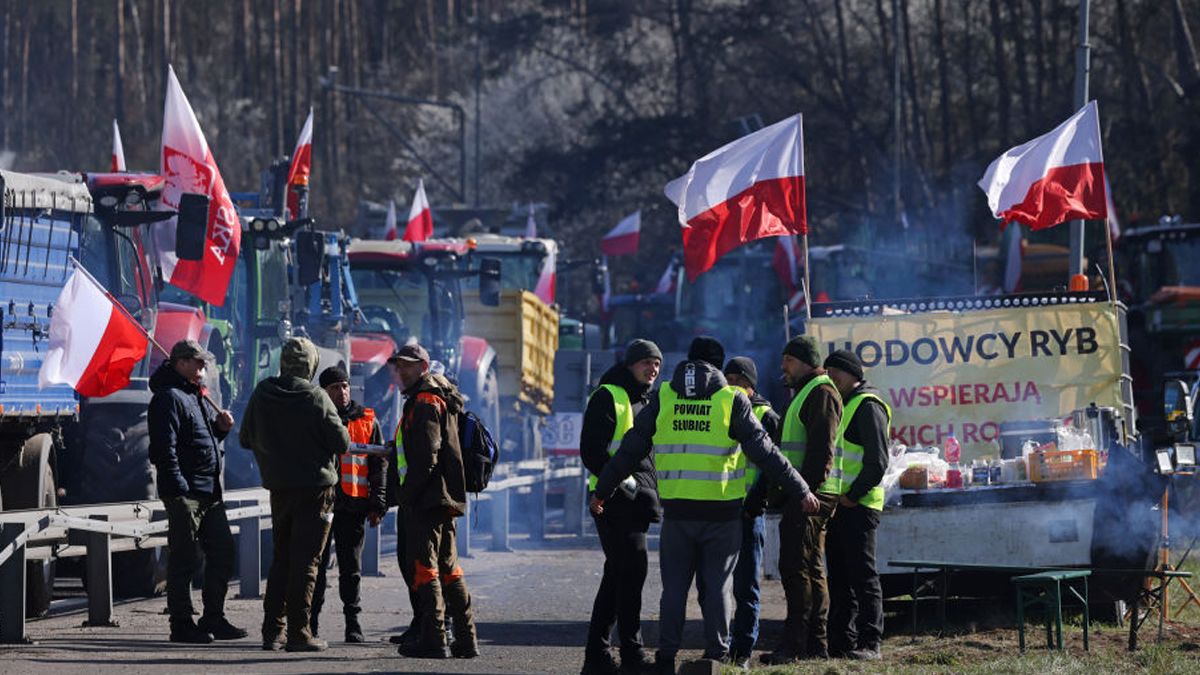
{"points": [[480, 454]]}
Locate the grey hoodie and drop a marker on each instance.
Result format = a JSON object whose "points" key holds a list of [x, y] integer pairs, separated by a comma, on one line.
{"points": [[700, 383], [292, 426]]}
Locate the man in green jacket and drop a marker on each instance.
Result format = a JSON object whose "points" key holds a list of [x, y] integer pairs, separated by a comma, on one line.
{"points": [[296, 435]]}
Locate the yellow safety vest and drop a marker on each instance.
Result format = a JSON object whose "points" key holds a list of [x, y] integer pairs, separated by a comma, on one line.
{"points": [[793, 441], [848, 459], [401, 460], [624, 416], [694, 457], [759, 411]]}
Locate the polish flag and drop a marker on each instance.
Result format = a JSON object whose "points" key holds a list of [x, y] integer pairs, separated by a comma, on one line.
{"points": [[94, 345], [666, 283], [389, 226], [118, 153], [623, 239], [420, 218], [530, 225], [189, 167], [301, 167], [749, 189], [1051, 179], [547, 282]]}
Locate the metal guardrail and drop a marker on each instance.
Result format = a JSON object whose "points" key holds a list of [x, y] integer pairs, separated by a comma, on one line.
{"points": [[97, 531]]}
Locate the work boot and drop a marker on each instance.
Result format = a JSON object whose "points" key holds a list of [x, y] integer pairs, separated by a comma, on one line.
{"points": [[600, 663], [186, 632], [635, 661], [354, 634], [663, 664], [415, 650], [314, 624], [306, 644], [739, 660], [865, 654], [221, 629]]}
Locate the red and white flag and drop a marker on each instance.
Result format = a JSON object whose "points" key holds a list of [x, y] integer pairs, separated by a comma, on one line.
{"points": [[547, 282], [301, 167], [623, 239], [118, 153], [1051, 179], [94, 345], [749, 189], [420, 218], [189, 167], [389, 225], [666, 283], [530, 225]]}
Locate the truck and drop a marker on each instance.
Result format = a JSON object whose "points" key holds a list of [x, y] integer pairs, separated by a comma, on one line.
{"points": [[994, 372], [57, 445], [1158, 277], [413, 292]]}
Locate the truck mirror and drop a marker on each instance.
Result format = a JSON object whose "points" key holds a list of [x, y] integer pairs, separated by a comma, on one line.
{"points": [[191, 227], [489, 282], [1177, 407], [309, 247]]}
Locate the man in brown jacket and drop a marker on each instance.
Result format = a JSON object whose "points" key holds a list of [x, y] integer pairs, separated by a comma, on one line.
{"points": [[808, 436], [432, 495]]}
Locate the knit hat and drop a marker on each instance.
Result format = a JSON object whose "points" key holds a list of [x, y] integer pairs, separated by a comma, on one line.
{"points": [[333, 375], [707, 348], [804, 348], [744, 366], [641, 349], [299, 358], [845, 361]]}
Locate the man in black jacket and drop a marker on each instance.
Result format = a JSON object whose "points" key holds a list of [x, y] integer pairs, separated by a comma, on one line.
{"points": [[185, 436], [855, 595], [624, 390], [702, 507], [358, 500]]}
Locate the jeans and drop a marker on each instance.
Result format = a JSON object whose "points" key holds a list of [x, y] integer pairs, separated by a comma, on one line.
{"points": [[691, 548], [619, 598], [746, 592], [197, 521], [856, 598]]}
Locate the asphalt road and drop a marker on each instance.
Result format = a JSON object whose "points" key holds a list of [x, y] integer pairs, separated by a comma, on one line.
{"points": [[532, 608]]}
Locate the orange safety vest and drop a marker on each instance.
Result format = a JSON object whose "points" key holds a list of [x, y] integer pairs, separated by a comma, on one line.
{"points": [[354, 467]]}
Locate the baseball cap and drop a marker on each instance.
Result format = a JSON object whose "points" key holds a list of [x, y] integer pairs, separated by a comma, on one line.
{"points": [[189, 349], [411, 353]]}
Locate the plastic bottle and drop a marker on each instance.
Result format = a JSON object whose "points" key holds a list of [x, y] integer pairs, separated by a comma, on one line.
{"points": [[952, 451]]}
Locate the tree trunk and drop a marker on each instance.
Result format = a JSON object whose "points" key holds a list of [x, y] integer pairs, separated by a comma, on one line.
{"points": [[1026, 92], [969, 79], [943, 64], [1002, 93], [276, 82], [119, 74]]}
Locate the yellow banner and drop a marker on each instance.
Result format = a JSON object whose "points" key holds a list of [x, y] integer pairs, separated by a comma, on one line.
{"points": [[966, 373]]}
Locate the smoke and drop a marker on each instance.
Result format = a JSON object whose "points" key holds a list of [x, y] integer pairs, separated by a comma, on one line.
{"points": [[7, 157]]}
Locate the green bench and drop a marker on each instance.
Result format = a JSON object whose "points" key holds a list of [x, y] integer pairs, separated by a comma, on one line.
{"points": [[944, 570], [1044, 589]]}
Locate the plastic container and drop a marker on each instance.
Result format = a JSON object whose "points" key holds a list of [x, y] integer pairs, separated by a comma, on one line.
{"points": [[954, 478], [981, 473], [1056, 465], [951, 450]]}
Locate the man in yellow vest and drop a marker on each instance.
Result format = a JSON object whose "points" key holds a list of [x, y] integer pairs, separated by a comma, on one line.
{"points": [[624, 390], [698, 427], [856, 599], [359, 499], [807, 439], [741, 372]]}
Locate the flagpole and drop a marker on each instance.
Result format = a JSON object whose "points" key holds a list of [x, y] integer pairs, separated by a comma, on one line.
{"points": [[807, 279], [117, 303], [1112, 275]]}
